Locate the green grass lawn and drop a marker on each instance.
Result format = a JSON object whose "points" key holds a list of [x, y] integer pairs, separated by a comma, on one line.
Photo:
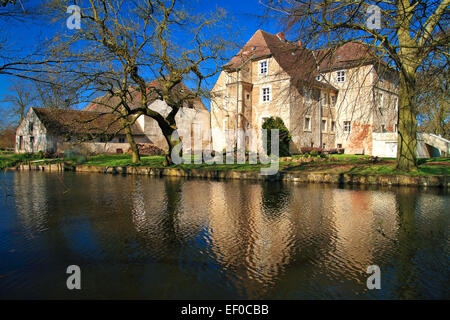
{"points": [[342, 163], [121, 160], [8, 159], [351, 164]]}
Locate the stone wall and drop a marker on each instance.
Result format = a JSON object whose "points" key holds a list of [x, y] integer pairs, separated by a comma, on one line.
{"points": [[299, 177], [385, 144]]}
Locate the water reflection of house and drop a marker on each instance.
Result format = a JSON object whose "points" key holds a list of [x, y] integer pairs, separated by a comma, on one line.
{"points": [[364, 224], [31, 201]]}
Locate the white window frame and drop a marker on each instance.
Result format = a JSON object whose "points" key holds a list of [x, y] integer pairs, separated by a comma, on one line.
{"points": [[227, 121], [333, 97], [324, 128], [340, 76], [227, 78], [309, 123], [265, 68], [325, 99], [349, 126], [225, 102], [263, 95]]}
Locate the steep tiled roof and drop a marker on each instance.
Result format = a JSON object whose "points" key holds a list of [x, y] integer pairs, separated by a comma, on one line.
{"points": [[297, 61], [69, 121], [350, 54], [300, 63], [107, 102]]}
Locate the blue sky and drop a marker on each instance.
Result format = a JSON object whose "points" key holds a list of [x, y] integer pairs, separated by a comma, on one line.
{"points": [[26, 36]]}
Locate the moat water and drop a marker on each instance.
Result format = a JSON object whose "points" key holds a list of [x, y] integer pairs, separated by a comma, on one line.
{"points": [[173, 238]]}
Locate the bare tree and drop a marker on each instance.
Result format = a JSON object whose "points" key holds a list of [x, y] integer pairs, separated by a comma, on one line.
{"points": [[410, 32], [433, 100], [122, 46], [17, 101]]}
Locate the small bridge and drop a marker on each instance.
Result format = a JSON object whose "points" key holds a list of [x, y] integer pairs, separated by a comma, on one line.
{"points": [[428, 145]]}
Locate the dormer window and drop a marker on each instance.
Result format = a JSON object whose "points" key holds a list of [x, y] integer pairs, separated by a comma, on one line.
{"points": [[340, 76], [263, 67]]}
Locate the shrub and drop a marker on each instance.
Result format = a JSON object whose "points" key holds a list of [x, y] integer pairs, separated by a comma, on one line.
{"points": [[314, 153], [312, 150], [74, 156], [284, 137]]}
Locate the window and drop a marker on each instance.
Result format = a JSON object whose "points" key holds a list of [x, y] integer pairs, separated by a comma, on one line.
{"points": [[20, 142], [318, 78], [226, 123], [333, 126], [383, 128], [340, 76], [32, 142], [347, 126], [333, 99], [226, 102], [121, 140], [324, 146], [339, 145], [379, 101], [263, 67], [265, 94], [248, 96], [325, 98], [395, 127], [307, 124], [324, 125], [30, 127], [312, 144], [316, 94], [227, 78], [307, 94]]}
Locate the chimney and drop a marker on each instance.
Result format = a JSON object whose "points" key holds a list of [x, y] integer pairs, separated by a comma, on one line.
{"points": [[281, 36], [300, 43]]}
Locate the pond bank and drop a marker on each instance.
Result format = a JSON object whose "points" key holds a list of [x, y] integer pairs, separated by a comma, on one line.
{"points": [[441, 181]]}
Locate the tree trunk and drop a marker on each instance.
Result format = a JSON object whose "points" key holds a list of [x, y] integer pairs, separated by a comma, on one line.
{"points": [[167, 132], [407, 122], [136, 158]]}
